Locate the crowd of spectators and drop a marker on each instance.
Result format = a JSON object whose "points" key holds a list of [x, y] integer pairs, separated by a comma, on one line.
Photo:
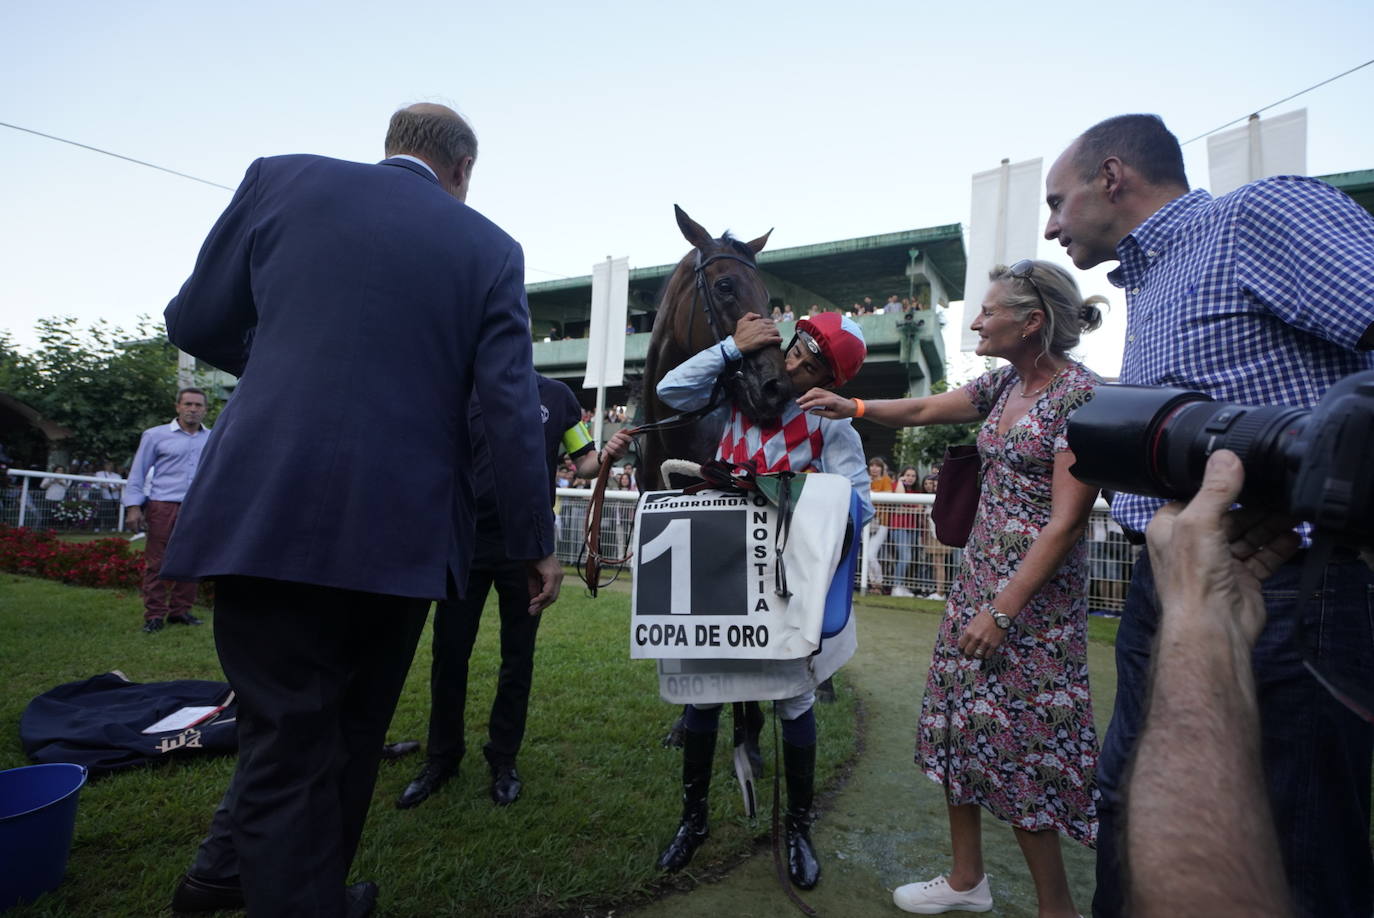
{"points": [[58, 500]]}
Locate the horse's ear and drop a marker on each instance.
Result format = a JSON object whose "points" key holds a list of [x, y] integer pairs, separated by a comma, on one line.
{"points": [[756, 245], [691, 229]]}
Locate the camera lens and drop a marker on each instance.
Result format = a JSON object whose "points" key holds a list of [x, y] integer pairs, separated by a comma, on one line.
{"points": [[1155, 441], [1116, 436], [1264, 438], [1308, 463]]}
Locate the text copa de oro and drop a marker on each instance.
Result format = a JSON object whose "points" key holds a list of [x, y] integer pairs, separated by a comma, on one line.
{"points": [[674, 635]]}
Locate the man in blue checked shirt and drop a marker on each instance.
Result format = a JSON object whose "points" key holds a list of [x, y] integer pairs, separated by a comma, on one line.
{"points": [[171, 452], [1264, 296]]}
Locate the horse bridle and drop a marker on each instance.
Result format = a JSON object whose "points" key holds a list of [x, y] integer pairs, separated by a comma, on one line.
{"points": [[703, 289]]}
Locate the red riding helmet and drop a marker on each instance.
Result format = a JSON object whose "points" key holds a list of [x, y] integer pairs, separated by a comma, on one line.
{"points": [[837, 340]]}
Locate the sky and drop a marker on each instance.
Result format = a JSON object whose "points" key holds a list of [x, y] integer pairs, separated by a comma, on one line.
{"points": [[825, 121]]}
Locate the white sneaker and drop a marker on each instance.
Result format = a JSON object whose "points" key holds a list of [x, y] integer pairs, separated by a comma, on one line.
{"points": [[901, 591], [937, 896], [938, 597]]}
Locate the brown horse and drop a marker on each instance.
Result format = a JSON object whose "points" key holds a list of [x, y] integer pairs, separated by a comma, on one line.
{"points": [[712, 286]]}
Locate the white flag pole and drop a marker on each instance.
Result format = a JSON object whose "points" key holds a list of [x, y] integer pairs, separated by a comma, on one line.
{"points": [[999, 252], [604, 333]]}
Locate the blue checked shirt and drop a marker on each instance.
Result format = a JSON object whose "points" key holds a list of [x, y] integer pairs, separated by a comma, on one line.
{"points": [[1257, 297]]}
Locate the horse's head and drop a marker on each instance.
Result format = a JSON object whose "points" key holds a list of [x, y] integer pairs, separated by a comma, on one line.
{"points": [[718, 282]]}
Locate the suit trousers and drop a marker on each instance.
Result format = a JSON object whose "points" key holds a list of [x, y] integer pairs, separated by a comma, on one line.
{"points": [[162, 598], [455, 632], [317, 672]]}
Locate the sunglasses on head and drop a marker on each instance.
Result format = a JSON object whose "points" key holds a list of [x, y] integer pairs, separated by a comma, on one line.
{"points": [[1025, 270]]}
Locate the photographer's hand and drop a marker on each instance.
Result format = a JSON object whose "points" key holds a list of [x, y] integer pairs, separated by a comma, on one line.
{"points": [[1196, 794], [1211, 560]]}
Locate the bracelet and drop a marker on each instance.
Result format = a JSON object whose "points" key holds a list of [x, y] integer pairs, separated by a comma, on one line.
{"points": [[858, 407]]}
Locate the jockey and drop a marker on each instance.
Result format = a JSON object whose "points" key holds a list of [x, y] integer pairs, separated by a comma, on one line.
{"points": [[826, 351]]}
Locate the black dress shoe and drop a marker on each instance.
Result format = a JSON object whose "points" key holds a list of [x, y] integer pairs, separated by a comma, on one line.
{"points": [[187, 619], [505, 785], [429, 780], [360, 899], [195, 894], [396, 750], [152, 626]]}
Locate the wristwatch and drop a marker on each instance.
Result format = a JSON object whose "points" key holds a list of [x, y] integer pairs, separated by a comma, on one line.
{"points": [[1002, 619]]}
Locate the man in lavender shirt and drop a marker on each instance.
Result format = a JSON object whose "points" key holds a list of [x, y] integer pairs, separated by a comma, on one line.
{"points": [[171, 452]]}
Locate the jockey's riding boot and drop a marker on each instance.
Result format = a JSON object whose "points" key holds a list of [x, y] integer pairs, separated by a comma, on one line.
{"points": [[799, 764], [698, 752], [673, 738], [753, 723]]}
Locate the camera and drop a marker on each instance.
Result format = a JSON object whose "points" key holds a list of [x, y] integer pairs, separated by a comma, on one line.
{"points": [[1308, 463]]}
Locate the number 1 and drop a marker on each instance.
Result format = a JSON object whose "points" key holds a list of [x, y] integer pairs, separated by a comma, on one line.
{"points": [[676, 538]]}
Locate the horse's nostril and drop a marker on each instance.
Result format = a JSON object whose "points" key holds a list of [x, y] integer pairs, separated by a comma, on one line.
{"points": [[770, 387]]}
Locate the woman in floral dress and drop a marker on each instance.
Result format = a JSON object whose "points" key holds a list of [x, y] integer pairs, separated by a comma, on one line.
{"points": [[1006, 724]]}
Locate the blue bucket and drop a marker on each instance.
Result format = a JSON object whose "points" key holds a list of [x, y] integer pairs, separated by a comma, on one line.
{"points": [[37, 818]]}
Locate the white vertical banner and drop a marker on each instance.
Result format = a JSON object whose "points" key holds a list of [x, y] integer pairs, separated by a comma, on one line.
{"points": [[1256, 150], [1004, 227], [610, 312], [606, 335]]}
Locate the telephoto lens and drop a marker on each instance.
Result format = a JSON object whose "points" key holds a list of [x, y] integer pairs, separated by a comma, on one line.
{"points": [[1155, 441], [1308, 463]]}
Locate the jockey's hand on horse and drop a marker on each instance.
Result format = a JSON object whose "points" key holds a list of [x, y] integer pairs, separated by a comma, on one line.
{"points": [[827, 404], [754, 332]]}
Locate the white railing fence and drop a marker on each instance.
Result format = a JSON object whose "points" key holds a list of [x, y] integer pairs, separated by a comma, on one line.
{"points": [[47, 500], [899, 554]]}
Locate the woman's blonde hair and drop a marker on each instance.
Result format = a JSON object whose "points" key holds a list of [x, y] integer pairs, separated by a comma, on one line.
{"points": [[1054, 292]]}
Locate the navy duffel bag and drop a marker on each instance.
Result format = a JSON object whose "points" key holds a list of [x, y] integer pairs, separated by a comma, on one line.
{"points": [[108, 723]]}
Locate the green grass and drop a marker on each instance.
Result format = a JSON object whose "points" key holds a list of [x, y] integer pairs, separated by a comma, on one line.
{"points": [[601, 794]]}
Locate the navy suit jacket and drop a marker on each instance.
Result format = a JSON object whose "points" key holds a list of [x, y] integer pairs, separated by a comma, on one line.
{"points": [[359, 305]]}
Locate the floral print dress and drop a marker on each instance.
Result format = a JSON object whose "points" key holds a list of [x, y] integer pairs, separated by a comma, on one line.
{"points": [[1014, 733]]}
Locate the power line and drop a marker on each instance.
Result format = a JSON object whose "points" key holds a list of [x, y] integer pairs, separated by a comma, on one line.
{"points": [[1281, 101], [550, 273], [130, 159], [184, 175]]}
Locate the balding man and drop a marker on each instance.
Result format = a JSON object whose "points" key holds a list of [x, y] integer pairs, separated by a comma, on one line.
{"points": [[361, 306], [1264, 296]]}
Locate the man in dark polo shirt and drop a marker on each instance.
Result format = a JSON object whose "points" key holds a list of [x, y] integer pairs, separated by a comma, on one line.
{"points": [[456, 621]]}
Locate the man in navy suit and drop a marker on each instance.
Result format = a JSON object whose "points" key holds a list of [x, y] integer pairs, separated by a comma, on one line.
{"points": [[361, 306]]}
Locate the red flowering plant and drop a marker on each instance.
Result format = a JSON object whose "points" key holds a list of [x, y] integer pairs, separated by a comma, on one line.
{"points": [[109, 563], [40, 553]]}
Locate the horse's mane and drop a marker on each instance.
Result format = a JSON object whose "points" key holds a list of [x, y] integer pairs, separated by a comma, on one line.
{"points": [[739, 247]]}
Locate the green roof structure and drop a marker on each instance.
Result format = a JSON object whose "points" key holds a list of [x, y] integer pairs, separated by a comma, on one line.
{"points": [[905, 353]]}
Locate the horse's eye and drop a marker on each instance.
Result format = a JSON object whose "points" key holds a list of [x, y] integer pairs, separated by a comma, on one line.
{"points": [[725, 286]]}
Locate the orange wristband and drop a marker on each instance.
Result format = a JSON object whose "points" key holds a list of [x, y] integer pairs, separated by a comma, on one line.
{"points": [[859, 408]]}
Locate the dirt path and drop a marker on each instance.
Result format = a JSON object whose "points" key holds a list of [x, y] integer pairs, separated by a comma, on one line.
{"points": [[887, 825]]}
